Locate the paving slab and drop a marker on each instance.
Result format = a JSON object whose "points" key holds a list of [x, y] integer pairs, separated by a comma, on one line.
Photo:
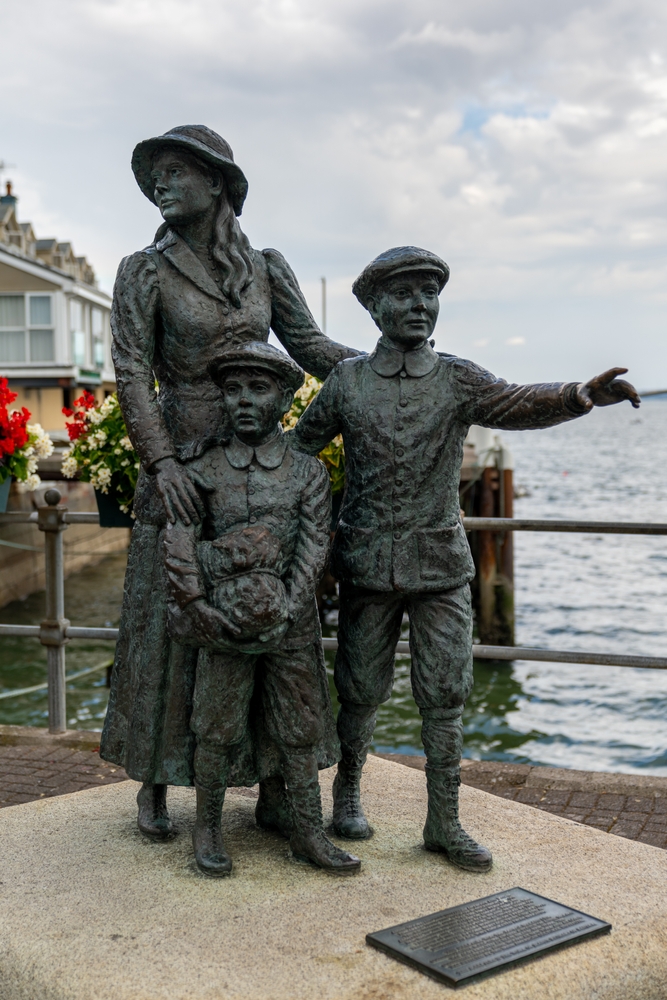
{"points": [[91, 910]]}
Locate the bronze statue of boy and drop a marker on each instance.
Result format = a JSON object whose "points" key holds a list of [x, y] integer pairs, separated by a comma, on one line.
{"points": [[404, 412], [241, 588]]}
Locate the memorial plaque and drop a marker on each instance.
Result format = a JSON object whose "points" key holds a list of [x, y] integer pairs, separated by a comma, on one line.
{"points": [[457, 945]]}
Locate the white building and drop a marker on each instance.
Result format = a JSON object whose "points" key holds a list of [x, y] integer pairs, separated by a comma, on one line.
{"points": [[55, 338]]}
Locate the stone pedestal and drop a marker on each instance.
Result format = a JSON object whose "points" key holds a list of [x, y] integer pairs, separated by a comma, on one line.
{"points": [[90, 910]]}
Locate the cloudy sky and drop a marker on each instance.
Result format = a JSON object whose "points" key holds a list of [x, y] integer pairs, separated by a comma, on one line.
{"points": [[524, 142]]}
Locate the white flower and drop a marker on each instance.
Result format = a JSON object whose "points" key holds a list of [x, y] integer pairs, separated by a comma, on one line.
{"points": [[96, 416], [101, 478], [42, 444], [108, 406], [31, 483], [70, 467], [125, 463], [99, 438], [126, 444], [117, 451]]}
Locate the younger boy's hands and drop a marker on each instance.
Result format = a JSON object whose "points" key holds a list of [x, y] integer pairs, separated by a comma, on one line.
{"points": [[272, 637], [210, 625]]}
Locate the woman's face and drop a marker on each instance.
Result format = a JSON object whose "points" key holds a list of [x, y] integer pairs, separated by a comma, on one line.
{"points": [[183, 192]]}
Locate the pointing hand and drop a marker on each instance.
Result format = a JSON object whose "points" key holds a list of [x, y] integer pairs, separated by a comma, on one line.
{"points": [[606, 389]]}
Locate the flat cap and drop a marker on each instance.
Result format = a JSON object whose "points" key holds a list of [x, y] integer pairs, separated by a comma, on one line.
{"points": [[258, 354], [395, 261]]}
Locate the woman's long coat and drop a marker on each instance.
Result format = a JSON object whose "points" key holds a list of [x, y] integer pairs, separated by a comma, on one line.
{"points": [[170, 318]]}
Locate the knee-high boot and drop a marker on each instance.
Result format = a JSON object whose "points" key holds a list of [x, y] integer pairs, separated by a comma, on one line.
{"points": [[272, 811], [308, 841], [153, 819], [210, 854], [355, 731], [442, 737], [211, 771]]}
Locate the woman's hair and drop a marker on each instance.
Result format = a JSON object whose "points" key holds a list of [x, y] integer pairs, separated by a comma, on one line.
{"points": [[231, 248]]}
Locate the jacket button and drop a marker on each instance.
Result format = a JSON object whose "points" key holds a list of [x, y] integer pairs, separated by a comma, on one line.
{"points": [[399, 427], [400, 453], [397, 534], [397, 508], [404, 402], [252, 519], [403, 375], [399, 482], [250, 490]]}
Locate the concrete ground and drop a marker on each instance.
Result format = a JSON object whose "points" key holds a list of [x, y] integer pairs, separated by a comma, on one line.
{"points": [[90, 910], [34, 765]]}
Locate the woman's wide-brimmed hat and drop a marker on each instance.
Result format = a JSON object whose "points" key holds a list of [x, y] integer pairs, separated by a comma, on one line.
{"points": [[259, 354], [204, 143]]}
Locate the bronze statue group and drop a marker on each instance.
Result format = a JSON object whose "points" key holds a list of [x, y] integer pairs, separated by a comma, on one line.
{"points": [[219, 677]]}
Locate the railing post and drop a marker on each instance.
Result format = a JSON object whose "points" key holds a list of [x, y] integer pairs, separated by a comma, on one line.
{"points": [[52, 629]]}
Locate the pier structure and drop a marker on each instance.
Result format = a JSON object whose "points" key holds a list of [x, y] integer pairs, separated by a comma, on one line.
{"points": [[487, 491]]}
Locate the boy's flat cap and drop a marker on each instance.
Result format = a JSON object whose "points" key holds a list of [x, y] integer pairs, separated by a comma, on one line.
{"points": [[395, 261], [258, 354]]}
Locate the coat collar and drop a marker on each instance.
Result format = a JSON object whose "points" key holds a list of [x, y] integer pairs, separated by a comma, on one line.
{"points": [[269, 455], [388, 361], [178, 253]]}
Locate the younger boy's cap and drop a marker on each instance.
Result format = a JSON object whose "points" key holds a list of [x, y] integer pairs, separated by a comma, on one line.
{"points": [[259, 354], [395, 261]]}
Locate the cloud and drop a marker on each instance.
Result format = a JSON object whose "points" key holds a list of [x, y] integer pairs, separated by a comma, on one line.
{"points": [[526, 143]]}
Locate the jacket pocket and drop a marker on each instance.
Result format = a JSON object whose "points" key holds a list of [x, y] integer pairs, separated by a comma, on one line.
{"points": [[351, 554], [444, 555]]}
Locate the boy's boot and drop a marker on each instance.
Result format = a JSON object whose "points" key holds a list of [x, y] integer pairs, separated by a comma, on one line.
{"points": [[153, 819], [211, 772], [210, 854], [308, 841], [272, 811], [355, 731], [442, 736]]}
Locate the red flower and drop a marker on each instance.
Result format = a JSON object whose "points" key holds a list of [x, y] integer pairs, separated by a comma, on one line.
{"points": [[13, 432], [78, 425]]}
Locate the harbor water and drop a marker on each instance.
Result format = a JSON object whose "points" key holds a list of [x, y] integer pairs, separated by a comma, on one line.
{"points": [[605, 593]]}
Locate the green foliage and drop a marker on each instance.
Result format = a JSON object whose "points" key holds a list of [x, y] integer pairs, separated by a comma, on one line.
{"points": [[333, 455]]}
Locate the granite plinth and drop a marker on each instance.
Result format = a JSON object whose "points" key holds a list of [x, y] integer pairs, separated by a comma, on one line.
{"points": [[90, 910]]}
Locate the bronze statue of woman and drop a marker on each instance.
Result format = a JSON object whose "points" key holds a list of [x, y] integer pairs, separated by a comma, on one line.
{"points": [[198, 288]]}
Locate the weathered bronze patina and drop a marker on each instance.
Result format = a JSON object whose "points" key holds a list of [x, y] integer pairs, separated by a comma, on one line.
{"points": [[198, 289], [404, 412], [242, 588]]}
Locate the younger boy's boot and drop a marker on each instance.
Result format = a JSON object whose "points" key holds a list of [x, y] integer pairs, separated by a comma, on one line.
{"points": [[210, 854], [272, 811], [308, 841], [355, 731], [443, 831], [153, 819]]}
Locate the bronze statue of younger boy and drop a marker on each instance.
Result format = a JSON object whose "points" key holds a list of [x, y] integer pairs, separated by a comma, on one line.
{"points": [[404, 412], [242, 589]]}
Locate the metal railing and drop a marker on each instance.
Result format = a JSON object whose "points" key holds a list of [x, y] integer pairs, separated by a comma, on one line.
{"points": [[55, 631]]}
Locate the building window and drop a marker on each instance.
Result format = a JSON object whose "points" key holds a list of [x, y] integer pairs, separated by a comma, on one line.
{"points": [[97, 329], [19, 341], [77, 332]]}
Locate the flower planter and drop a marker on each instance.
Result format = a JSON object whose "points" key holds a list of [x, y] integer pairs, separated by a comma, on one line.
{"points": [[4, 494], [111, 516]]}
